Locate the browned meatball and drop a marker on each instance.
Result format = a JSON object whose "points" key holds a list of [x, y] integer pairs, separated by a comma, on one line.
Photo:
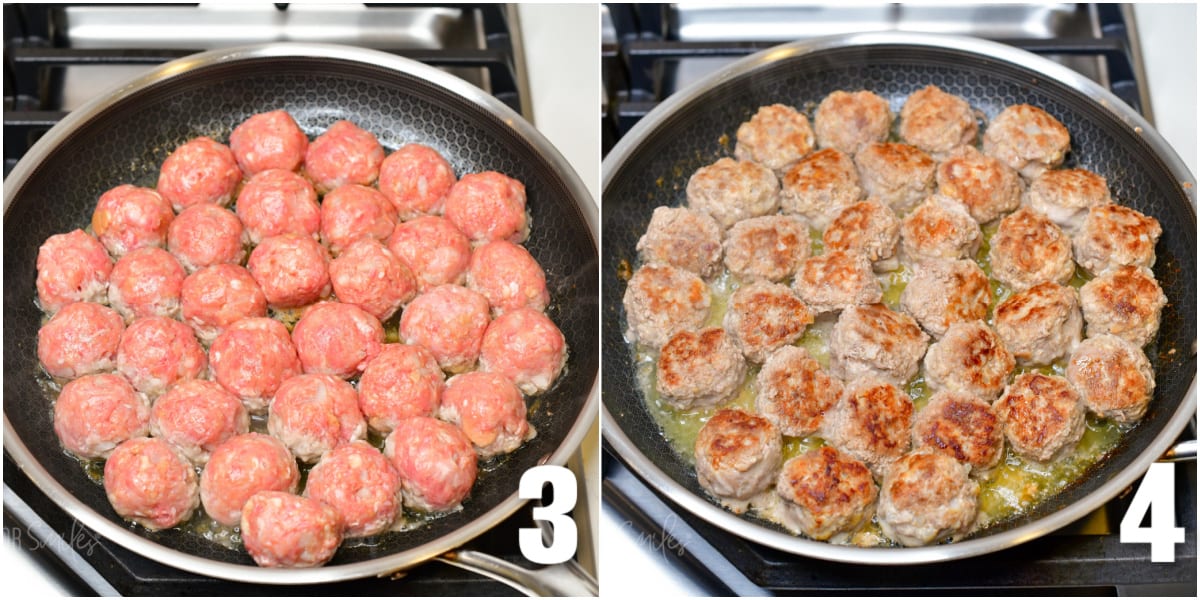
{"points": [[874, 340], [820, 186], [1114, 235], [868, 227], [1126, 302], [731, 190], [661, 301], [684, 238], [940, 228], [1027, 139], [986, 186], [836, 280], [871, 422], [850, 120], [1040, 324], [700, 369], [944, 292], [970, 358], [1065, 195], [898, 175], [1113, 377], [925, 497], [737, 457], [962, 426], [826, 494], [764, 316], [1029, 249], [775, 137], [937, 122], [794, 392], [1042, 416], [769, 247]]}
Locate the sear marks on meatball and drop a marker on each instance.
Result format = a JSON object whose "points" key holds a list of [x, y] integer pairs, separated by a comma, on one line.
{"points": [[128, 217], [700, 369], [738, 456], [1027, 139], [794, 392], [764, 316], [683, 238], [937, 122], [962, 426], [775, 137], [1029, 249], [898, 175], [72, 267], [868, 227], [1040, 324], [149, 482], [940, 228], [1042, 416], [820, 186], [1113, 377], [848, 121], [925, 497], [731, 190], [1065, 195], [942, 293], [95, 413], [661, 301], [1113, 235], [769, 247], [79, 340], [283, 530], [837, 280], [827, 495], [970, 359], [871, 422], [873, 340], [986, 186], [1126, 302]]}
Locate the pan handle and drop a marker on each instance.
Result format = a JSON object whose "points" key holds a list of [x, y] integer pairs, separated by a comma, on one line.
{"points": [[1181, 451], [562, 580]]}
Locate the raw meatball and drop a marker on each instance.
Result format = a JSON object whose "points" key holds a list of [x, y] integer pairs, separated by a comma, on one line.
{"points": [[196, 416], [869, 228], [1113, 378], [345, 153], [276, 202], [450, 321], [1029, 249], [488, 206], [434, 249], [1040, 324], [764, 316], [149, 482], [368, 275], [848, 121], [79, 340], [970, 359], [1113, 236], [1042, 415], [794, 392], [525, 346], [146, 282], [874, 340], [218, 296], [292, 270], [820, 186], [240, 468], [898, 175], [738, 456], [962, 426], [937, 122], [314, 414], [156, 352], [128, 217], [1126, 302], [1027, 139], [401, 381], [435, 461], [361, 484], [251, 358], [270, 140], [336, 339], [200, 171], [731, 190], [1065, 195], [837, 280], [944, 292], [490, 411], [775, 137], [352, 212], [871, 422], [416, 179], [204, 235], [684, 238], [940, 228], [769, 247], [508, 276], [281, 529], [826, 494], [662, 300], [925, 497], [72, 267], [987, 187], [700, 369], [96, 412]]}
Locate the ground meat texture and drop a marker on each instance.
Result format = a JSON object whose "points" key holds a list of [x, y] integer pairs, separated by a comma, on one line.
{"points": [[684, 238], [251, 358], [80, 339], [369, 276], [95, 413], [276, 202], [962, 426], [128, 217], [490, 411], [344, 154], [72, 267], [314, 414], [241, 467], [1113, 378], [449, 320], [1126, 302], [488, 206], [987, 187], [1113, 236], [738, 456], [352, 212], [1027, 139], [769, 247], [291, 269], [1029, 249], [820, 186], [661, 300], [196, 416], [1040, 324], [898, 175], [416, 179], [149, 482], [848, 121], [927, 496], [970, 359], [940, 228], [525, 346], [1042, 416], [281, 529], [836, 280], [871, 422], [794, 391], [156, 352], [337, 339], [874, 340], [146, 283], [204, 235], [508, 276], [218, 296], [1065, 195], [361, 484], [826, 494], [700, 369], [869, 228], [401, 381], [436, 463], [270, 140], [434, 250], [942, 293], [937, 122], [201, 171], [731, 190], [775, 137], [763, 317]]}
